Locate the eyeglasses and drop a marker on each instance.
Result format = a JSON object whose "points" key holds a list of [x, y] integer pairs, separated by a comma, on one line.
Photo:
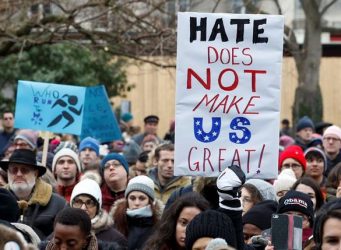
{"points": [[24, 170], [114, 164], [21, 145], [78, 203], [332, 139], [292, 165]]}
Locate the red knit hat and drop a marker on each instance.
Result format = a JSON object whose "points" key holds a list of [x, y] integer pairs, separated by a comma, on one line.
{"points": [[295, 152]]}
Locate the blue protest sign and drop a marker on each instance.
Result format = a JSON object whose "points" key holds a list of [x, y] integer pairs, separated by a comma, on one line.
{"points": [[99, 120], [50, 107]]}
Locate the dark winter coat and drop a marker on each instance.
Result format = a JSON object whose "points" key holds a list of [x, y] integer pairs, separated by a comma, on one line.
{"points": [[137, 230], [39, 212]]}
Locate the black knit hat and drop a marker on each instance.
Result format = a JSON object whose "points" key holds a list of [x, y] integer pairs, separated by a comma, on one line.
{"points": [[9, 209], [260, 214], [297, 201], [210, 223]]}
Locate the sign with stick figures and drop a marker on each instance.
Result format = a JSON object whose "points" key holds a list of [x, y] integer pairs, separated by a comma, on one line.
{"points": [[65, 109], [228, 93]]}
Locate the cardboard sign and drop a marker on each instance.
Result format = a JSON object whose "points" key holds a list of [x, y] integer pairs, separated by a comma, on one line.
{"points": [[228, 93], [66, 109]]}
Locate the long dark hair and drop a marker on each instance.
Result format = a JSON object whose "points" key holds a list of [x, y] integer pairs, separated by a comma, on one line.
{"points": [[164, 234], [306, 180]]}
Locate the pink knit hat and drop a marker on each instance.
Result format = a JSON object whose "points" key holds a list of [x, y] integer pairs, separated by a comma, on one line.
{"points": [[333, 130]]}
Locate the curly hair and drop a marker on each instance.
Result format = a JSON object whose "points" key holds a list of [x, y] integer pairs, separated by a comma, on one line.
{"points": [[164, 235]]}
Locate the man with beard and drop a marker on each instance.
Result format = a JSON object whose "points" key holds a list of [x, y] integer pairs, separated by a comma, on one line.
{"points": [[67, 170], [89, 153], [38, 204]]}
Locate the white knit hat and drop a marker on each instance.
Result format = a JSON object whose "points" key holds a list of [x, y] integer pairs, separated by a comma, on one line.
{"points": [[285, 181], [88, 187], [66, 152], [143, 184], [333, 130]]}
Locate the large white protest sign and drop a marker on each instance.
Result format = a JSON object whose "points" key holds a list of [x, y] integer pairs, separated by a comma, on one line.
{"points": [[228, 93]]}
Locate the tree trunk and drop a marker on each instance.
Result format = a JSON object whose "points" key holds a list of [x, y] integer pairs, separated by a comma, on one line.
{"points": [[308, 98]]}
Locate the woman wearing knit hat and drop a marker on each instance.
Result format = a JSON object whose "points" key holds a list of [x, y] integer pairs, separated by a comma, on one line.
{"points": [[293, 157], [87, 196], [170, 233], [136, 215]]}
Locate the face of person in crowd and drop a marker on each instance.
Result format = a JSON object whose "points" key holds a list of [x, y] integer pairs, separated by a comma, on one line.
{"points": [[9, 151], [7, 121], [166, 165], [306, 134], [69, 237], [281, 193], [21, 144], [114, 172], [246, 200], [315, 166], [66, 168], [201, 243], [21, 179], [294, 165], [86, 203], [137, 199], [88, 156], [140, 168], [185, 217], [331, 238], [307, 190], [150, 128], [250, 230], [331, 144], [149, 146]]}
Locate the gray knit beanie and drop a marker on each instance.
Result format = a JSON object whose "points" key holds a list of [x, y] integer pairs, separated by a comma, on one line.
{"points": [[143, 184]]}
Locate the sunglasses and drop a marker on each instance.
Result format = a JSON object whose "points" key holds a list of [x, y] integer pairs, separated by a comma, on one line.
{"points": [[24, 170]]}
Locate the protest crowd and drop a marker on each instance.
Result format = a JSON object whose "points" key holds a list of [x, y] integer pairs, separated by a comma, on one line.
{"points": [[124, 194]]}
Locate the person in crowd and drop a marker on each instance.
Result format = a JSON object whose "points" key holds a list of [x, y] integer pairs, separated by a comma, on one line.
{"points": [[258, 219], [333, 186], [67, 170], [163, 174], [136, 215], [250, 196], [127, 125], [38, 204], [115, 171], [3, 178], [149, 143], [72, 230], [89, 152], [265, 188], [87, 196], [8, 130], [284, 182], [298, 203], [26, 139], [285, 141], [208, 225], [285, 128], [140, 167], [293, 157], [316, 165], [332, 146], [304, 132], [170, 233], [327, 226], [308, 186], [151, 123]]}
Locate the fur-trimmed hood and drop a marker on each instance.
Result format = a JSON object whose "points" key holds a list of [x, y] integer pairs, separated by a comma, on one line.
{"points": [[11, 235], [102, 221], [121, 205]]}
